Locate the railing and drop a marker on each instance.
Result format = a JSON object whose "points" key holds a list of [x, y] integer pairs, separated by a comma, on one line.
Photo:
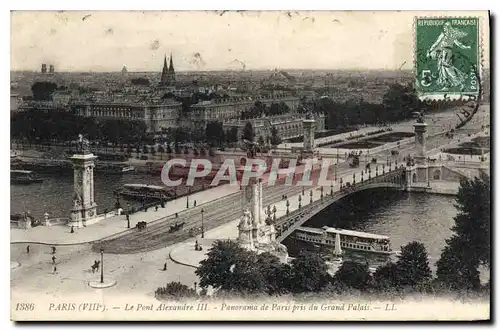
{"points": [[285, 225]]}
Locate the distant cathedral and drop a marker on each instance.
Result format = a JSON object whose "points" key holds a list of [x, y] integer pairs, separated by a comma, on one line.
{"points": [[168, 73]]}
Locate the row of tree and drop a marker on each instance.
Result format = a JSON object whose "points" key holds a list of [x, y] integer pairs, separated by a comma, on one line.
{"points": [[231, 269], [398, 104], [40, 126]]}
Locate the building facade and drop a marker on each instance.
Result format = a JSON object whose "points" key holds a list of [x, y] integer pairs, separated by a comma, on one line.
{"points": [[156, 116], [288, 126], [227, 110]]}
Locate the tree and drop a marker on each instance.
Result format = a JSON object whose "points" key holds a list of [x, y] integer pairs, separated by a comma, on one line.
{"points": [[174, 291], [454, 271], [261, 141], [386, 276], [413, 265], [232, 135], [230, 268], [353, 274], [472, 223], [277, 275], [161, 150], [401, 101], [275, 138], [309, 273], [42, 91], [248, 132], [469, 246], [214, 133]]}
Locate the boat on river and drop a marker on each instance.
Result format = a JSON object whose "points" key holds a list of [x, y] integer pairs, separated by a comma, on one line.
{"points": [[24, 177], [145, 192], [345, 240]]}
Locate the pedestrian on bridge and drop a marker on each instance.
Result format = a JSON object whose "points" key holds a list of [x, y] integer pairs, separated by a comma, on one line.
{"points": [[156, 208], [53, 249], [55, 270], [165, 266], [195, 203], [28, 249], [53, 259]]}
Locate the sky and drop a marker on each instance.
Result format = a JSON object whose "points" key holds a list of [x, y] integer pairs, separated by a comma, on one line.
{"points": [[107, 41]]}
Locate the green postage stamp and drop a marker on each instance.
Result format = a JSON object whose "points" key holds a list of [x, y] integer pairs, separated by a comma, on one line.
{"points": [[447, 56]]}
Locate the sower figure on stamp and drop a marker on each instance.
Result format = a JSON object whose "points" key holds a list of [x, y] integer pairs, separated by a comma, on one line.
{"points": [[442, 50]]}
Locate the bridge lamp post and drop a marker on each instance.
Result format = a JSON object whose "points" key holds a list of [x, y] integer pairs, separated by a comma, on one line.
{"points": [[303, 190], [336, 165], [331, 188], [383, 168], [300, 200], [187, 198], [321, 192], [353, 179], [102, 265], [202, 225], [287, 205], [362, 176], [274, 213], [311, 196]]}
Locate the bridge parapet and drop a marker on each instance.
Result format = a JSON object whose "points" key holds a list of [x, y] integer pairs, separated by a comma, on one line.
{"points": [[286, 224]]}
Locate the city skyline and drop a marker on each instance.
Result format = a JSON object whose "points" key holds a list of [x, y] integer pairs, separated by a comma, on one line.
{"points": [[232, 41]]}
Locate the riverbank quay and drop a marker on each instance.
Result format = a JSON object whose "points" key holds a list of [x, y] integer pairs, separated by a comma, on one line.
{"points": [[61, 234]]}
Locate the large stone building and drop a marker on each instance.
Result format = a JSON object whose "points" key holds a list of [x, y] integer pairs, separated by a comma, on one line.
{"points": [[226, 110], [288, 126], [156, 114]]}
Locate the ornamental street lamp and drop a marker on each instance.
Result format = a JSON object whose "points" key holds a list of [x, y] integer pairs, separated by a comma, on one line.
{"points": [[311, 196], [331, 188], [202, 226], [321, 188], [274, 212], [300, 200], [102, 265], [287, 205]]}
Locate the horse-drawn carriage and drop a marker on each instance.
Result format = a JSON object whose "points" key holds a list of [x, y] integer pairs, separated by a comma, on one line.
{"points": [[176, 227], [141, 225]]}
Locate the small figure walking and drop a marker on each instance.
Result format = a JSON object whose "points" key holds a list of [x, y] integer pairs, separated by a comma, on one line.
{"points": [[28, 249], [55, 270], [165, 266], [53, 260], [195, 203], [156, 208], [53, 249], [72, 229]]}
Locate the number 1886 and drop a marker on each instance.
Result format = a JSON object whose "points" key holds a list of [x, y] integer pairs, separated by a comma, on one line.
{"points": [[25, 306]]}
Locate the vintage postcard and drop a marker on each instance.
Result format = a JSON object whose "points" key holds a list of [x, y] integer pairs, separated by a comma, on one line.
{"points": [[274, 165]]}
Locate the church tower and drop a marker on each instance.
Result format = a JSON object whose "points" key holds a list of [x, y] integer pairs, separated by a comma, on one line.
{"points": [[164, 73], [171, 71]]}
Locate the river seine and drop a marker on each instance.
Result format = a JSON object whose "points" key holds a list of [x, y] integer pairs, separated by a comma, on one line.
{"points": [[402, 216]]}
